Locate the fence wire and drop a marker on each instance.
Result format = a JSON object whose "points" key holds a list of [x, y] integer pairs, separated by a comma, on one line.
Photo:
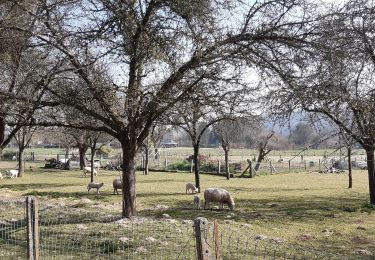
{"points": [[13, 228], [75, 233], [87, 235]]}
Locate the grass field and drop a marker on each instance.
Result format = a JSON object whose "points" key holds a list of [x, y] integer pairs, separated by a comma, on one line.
{"points": [[311, 210]]}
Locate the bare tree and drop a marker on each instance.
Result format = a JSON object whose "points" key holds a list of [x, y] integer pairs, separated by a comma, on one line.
{"points": [[336, 79], [23, 138], [138, 58], [227, 131]]}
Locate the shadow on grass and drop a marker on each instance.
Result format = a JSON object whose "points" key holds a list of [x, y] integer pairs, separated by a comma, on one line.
{"points": [[312, 208], [24, 186]]}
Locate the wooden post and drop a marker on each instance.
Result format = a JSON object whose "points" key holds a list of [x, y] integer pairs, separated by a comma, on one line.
{"points": [[217, 241], [166, 164], [305, 166], [32, 209], [201, 237], [218, 166], [191, 165], [289, 165]]}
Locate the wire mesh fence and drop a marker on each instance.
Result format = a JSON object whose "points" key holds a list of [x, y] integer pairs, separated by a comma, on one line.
{"points": [[13, 228], [77, 233]]}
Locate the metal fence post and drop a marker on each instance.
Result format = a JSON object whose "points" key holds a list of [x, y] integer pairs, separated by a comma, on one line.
{"points": [[201, 237], [32, 209]]}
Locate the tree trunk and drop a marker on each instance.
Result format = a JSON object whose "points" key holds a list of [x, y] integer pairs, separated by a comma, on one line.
{"points": [[92, 164], [2, 132], [82, 156], [226, 157], [371, 173], [196, 166], [350, 168], [21, 151], [146, 160], [128, 177], [259, 160]]}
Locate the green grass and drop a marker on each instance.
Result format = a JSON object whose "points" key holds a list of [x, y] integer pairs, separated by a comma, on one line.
{"points": [[308, 210]]}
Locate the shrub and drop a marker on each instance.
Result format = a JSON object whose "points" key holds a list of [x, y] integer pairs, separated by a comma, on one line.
{"points": [[180, 166], [105, 150]]}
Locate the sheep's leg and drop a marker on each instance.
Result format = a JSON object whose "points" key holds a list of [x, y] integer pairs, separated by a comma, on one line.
{"points": [[206, 204]]}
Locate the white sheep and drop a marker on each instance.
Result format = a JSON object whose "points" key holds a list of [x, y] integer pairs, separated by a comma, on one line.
{"points": [[94, 185], [190, 188], [117, 185], [12, 173], [197, 202], [218, 195], [87, 169]]}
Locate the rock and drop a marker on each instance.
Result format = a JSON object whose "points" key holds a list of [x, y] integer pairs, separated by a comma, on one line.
{"points": [[327, 232], [150, 239], [164, 243], [228, 216], [261, 237], [364, 252], [166, 216], [124, 239], [81, 226], [140, 249], [276, 240], [247, 225], [187, 222]]}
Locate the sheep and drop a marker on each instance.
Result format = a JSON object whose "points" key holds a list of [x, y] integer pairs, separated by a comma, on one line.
{"points": [[12, 173], [117, 184], [218, 195], [190, 188], [94, 185], [197, 202], [87, 169], [1, 176]]}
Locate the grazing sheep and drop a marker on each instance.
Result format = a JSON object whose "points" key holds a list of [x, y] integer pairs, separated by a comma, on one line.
{"points": [[12, 173], [218, 195], [87, 169], [190, 188], [197, 202], [94, 185], [117, 185]]}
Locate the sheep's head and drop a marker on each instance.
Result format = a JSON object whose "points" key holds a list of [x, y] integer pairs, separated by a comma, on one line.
{"points": [[101, 184], [231, 203], [195, 190]]}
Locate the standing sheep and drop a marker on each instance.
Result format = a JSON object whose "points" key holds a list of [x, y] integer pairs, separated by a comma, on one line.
{"points": [[117, 185], [190, 188], [94, 185], [12, 173], [218, 195], [87, 169]]}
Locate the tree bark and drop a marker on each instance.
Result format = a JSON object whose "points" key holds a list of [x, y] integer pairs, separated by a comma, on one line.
{"points": [[82, 156], [92, 163], [2, 132], [196, 166], [226, 157], [259, 160], [128, 177], [350, 168], [371, 172], [21, 151], [146, 160]]}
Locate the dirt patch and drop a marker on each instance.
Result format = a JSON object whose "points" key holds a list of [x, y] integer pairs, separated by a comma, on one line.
{"points": [[363, 240]]}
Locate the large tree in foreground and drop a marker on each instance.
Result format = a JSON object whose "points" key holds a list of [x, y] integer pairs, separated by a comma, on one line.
{"points": [[337, 81], [136, 59]]}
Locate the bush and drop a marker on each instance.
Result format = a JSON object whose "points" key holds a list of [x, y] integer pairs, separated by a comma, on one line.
{"points": [[180, 166], [8, 155]]}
